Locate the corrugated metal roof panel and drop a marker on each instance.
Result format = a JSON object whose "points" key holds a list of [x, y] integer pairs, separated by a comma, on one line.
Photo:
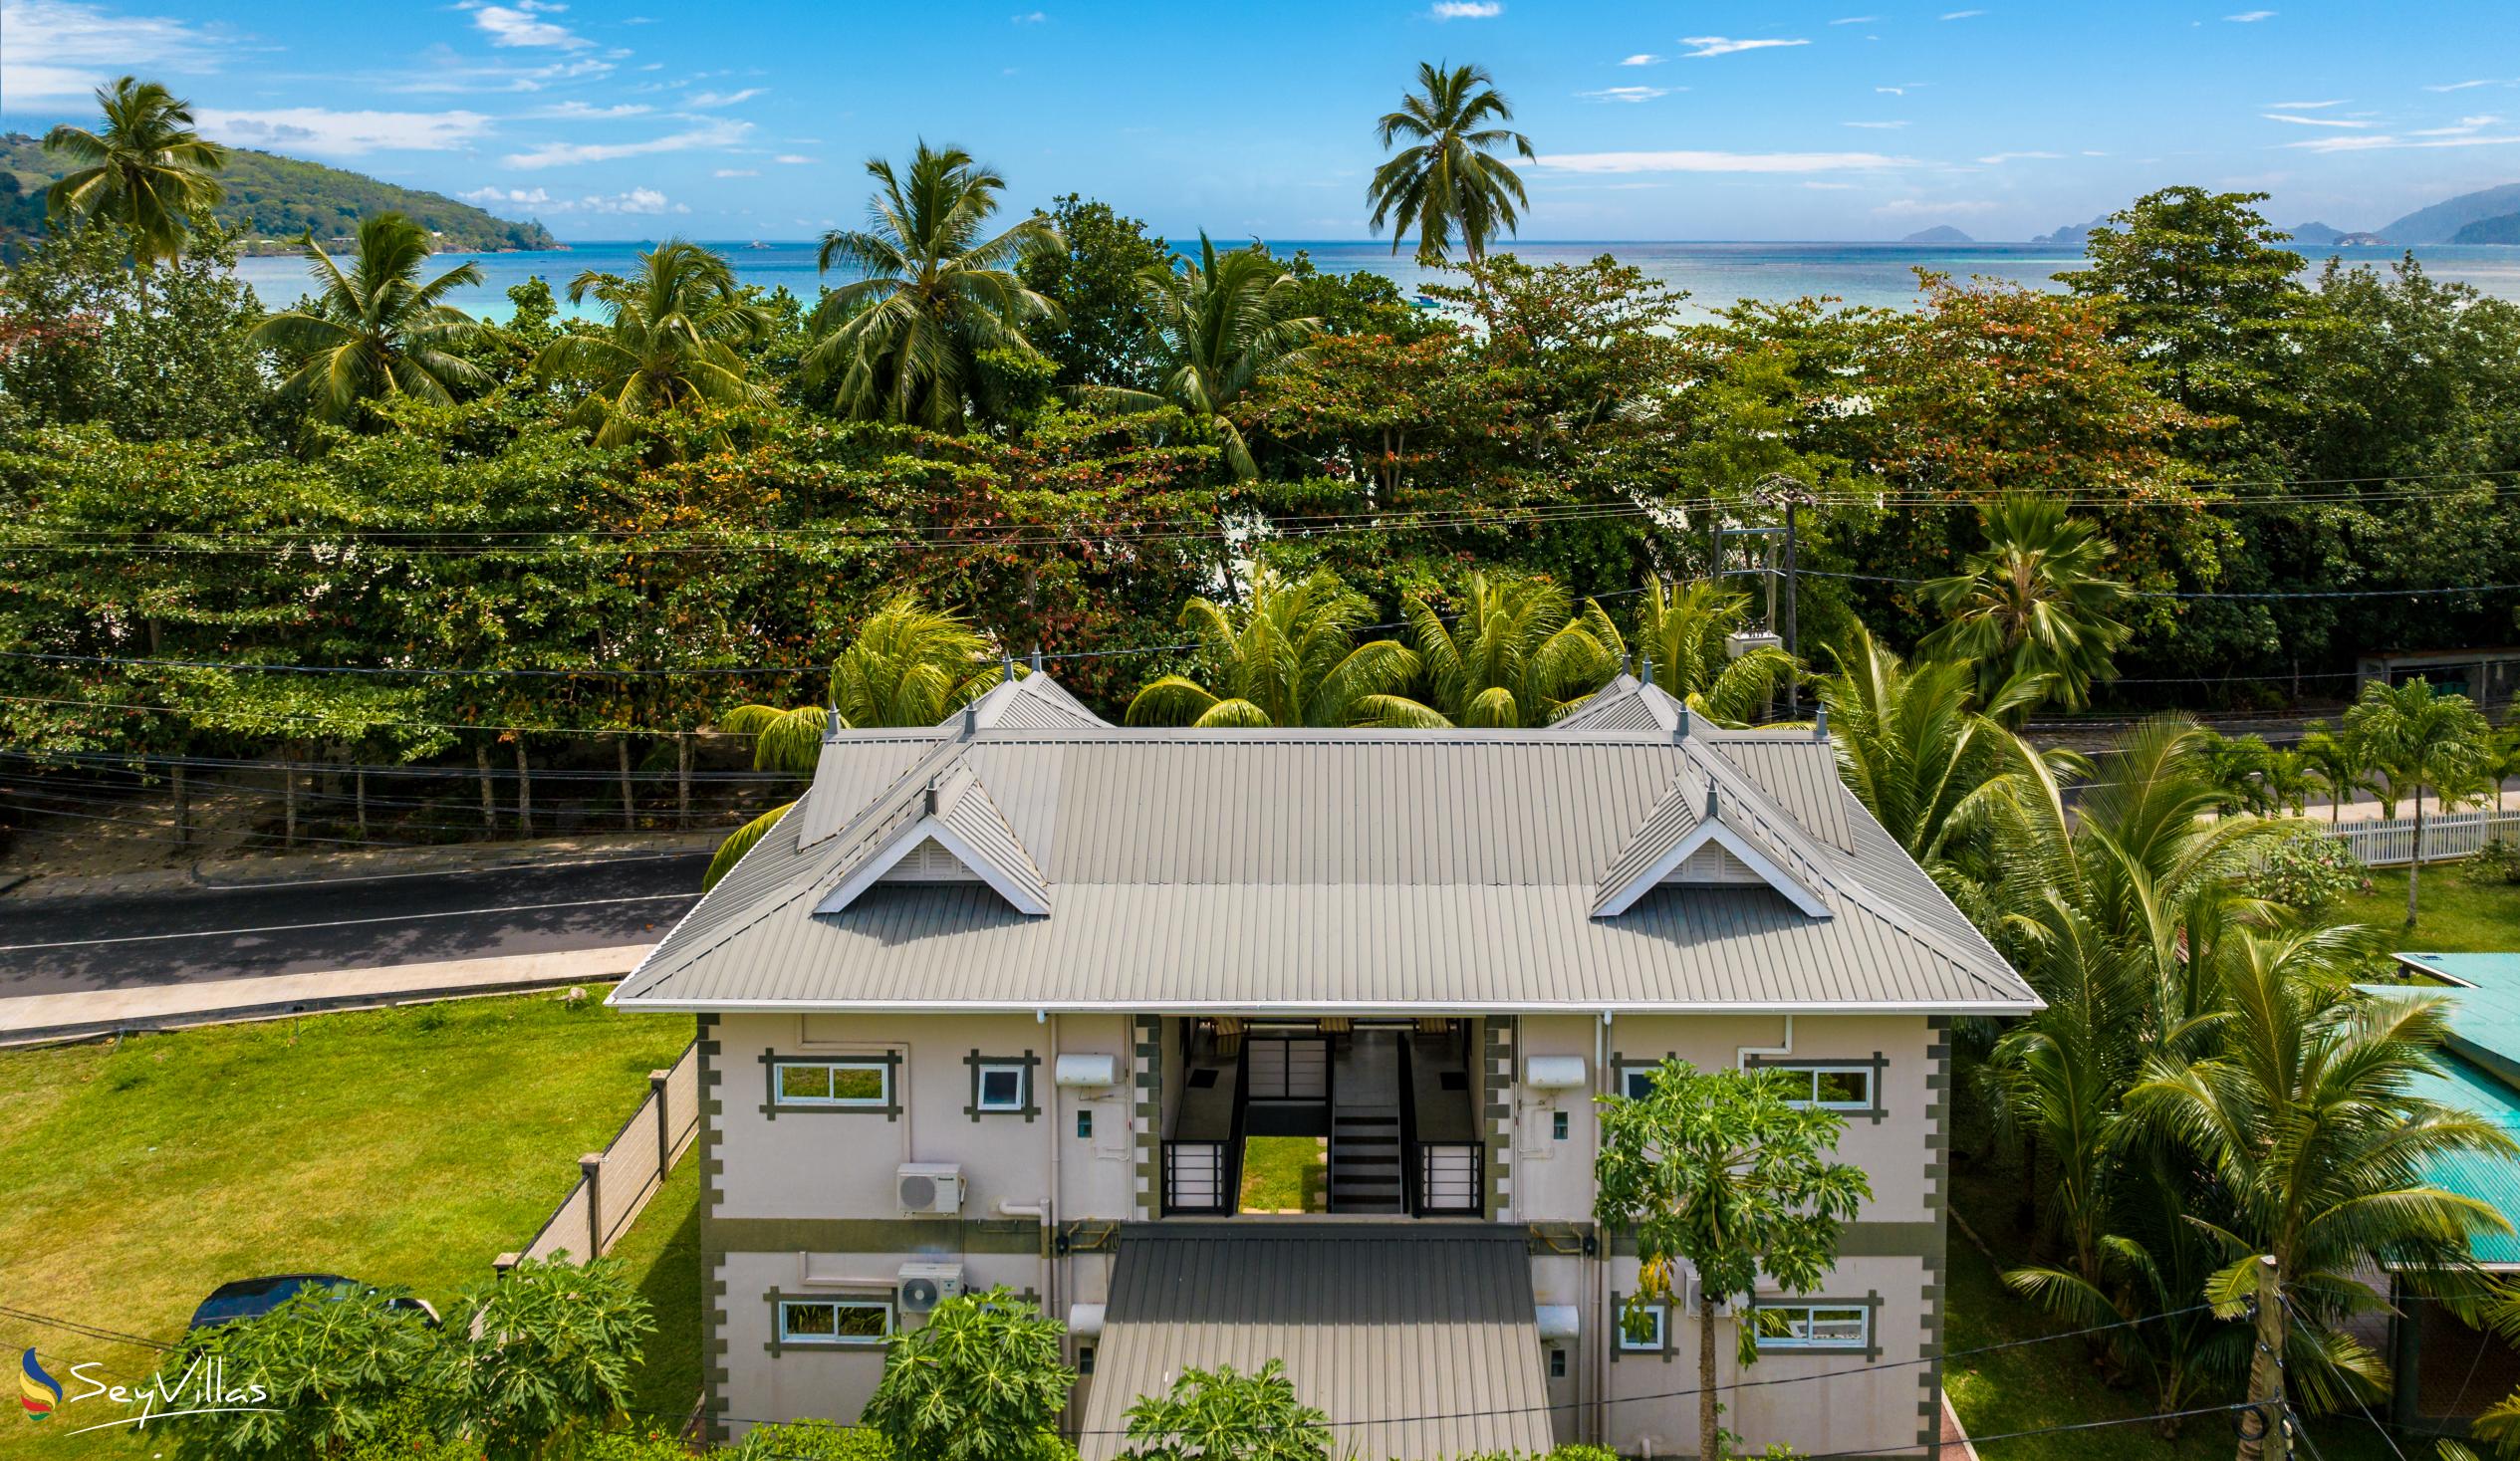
{"points": [[1415, 1341]]}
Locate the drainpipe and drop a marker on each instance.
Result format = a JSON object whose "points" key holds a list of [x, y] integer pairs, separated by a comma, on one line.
{"points": [[1600, 1366], [1742, 1054]]}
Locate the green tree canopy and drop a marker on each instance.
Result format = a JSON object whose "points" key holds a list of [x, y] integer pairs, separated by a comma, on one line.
{"points": [[147, 169], [905, 339], [1682, 635], [376, 330], [1450, 177], [1287, 657], [1722, 1173], [2417, 737], [1222, 1414], [1513, 656], [668, 341], [2033, 604], [980, 1380]]}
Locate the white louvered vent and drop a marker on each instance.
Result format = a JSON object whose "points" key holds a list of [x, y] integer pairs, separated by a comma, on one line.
{"points": [[929, 862], [1713, 864]]}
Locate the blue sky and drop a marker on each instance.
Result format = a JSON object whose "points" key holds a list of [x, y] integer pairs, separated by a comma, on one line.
{"points": [[1860, 119]]}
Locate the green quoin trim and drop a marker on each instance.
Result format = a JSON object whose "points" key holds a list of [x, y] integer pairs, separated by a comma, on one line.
{"points": [[1938, 1176], [1148, 1084], [716, 1373], [720, 1236], [1496, 1068]]}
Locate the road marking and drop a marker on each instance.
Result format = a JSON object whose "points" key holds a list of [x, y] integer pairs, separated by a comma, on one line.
{"points": [[81, 943]]}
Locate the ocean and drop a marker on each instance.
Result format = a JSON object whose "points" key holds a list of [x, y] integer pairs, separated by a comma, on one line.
{"points": [[1714, 274]]}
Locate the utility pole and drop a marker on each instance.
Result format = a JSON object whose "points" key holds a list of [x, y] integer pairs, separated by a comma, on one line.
{"points": [[2266, 1373], [1792, 494]]}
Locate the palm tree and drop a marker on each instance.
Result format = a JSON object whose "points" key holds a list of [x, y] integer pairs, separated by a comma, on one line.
{"points": [[2336, 763], [909, 665], [1291, 660], [1448, 179], [149, 170], [1681, 632], [669, 342], [2286, 777], [905, 338], [2418, 738], [1220, 326], [1915, 746], [377, 330], [2032, 601], [2305, 1116], [1513, 657]]}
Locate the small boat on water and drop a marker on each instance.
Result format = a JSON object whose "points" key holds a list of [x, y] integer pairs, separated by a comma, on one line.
{"points": [[756, 244]]}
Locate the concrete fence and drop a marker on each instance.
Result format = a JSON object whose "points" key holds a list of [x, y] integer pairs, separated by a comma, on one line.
{"points": [[2446, 836], [614, 1184]]}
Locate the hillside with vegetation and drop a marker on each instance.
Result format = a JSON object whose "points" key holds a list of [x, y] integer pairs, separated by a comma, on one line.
{"points": [[274, 200]]}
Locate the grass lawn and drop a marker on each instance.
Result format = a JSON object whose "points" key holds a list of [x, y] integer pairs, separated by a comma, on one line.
{"points": [[398, 1146], [2454, 916], [1284, 1174], [662, 1253]]}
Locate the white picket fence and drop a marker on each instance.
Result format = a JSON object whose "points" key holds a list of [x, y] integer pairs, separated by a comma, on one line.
{"points": [[2448, 837]]}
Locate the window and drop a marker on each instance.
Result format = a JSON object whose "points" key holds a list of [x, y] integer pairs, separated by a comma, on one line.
{"points": [[1002, 1087], [833, 1320], [1815, 1325], [1085, 1126], [1556, 1125], [865, 1085], [1557, 1362], [1637, 1082], [1084, 1359], [1641, 1326], [1831, 1088]]}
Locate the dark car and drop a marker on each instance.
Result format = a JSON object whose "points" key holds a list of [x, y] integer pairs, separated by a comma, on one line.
{"points": [[254, 1297]]}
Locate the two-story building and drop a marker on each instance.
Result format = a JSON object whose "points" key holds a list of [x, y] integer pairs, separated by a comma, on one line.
{"points": [[1005, 1001]]}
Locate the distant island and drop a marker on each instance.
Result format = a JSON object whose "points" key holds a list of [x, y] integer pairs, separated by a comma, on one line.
{"points": [[2443, 222], [1940, 233], [2502, 230], [2072, 235], [276, 200]]}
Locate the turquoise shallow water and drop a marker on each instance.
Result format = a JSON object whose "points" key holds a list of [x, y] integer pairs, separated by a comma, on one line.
{"points": [[1714, 274]]}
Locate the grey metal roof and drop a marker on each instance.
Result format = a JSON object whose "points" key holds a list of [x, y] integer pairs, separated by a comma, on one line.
{"points": [[1416, 1341], [1359, 870]]}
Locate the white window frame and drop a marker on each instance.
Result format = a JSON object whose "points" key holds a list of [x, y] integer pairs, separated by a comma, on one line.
{"points": [[1652, 1343], [1023, 1074], [1631, 1077], [788, 1338], [881, 1100], [1860, 1340], [1866, 1074]]}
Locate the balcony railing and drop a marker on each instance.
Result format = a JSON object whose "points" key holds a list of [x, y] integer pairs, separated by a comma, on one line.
{"points": [[1451, 1179]]}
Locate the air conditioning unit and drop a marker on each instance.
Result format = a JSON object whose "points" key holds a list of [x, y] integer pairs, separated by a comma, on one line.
{"points": [[923, 1286], [1738, 644], [1685, 1297], [931, 1186]]}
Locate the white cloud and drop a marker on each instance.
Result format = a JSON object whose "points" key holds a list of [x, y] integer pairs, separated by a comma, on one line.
{"points": [[726, 99], [1626, 93], [736, 172], [2468, 86], [563, 155], [1690, 161], [796, 159], [2466, 125], [2306, 105], [1829, 187], [1962, 13], [2313, 121], [1891, 91], [59, 51], [1642, 58], [1877, 125], [1932, 208], [2250, 17], [1030, 16], [515, 25], [2380, 143], [636, 200], [492, 196], [442, 71], [328, 133], [1855, 20], [1725, 46], [1466, 9], [581, 111], [1998, 160]]}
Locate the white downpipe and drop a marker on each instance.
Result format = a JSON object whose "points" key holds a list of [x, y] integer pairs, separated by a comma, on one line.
{"points": [[1742, 1054], [1598, 1369]]}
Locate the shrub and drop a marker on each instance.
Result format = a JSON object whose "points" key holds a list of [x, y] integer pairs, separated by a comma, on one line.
{"points": [[2309, 873], [814, 1440], [2498, 860]]}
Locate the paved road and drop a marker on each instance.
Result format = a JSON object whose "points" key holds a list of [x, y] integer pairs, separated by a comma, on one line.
{"points": [[61, 945]]}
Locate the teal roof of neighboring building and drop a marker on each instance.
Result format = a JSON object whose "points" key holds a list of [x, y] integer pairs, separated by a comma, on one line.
{"points": [[2478, 1072]]}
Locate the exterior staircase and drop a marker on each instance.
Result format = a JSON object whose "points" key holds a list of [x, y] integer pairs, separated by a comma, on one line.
{"points": [[1364, 1162]]}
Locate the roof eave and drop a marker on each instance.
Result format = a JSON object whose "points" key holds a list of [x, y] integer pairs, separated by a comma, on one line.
{"points": [[1347, 1008]]}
